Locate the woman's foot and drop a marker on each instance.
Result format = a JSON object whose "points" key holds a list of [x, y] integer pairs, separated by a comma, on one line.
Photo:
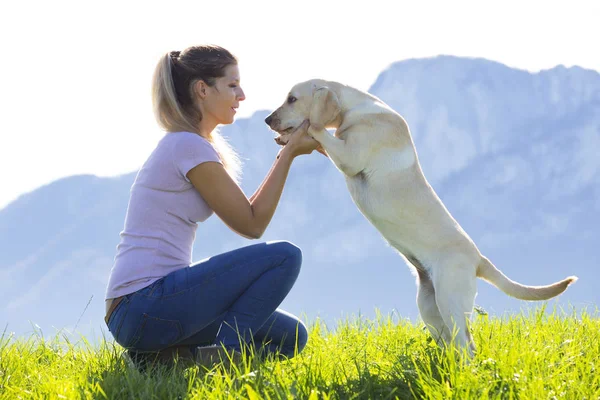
{"points": [[181, 355], [210, 356], [207, 357]]}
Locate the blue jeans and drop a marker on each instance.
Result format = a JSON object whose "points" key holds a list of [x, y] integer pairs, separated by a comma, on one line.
{"points": [[230, 299]]}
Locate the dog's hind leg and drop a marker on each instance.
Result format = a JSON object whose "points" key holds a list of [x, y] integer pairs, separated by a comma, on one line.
{"points": [[429, 310], [455, 290]]}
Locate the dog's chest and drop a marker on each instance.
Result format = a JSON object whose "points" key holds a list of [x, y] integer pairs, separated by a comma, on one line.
{"points": [[387, 171], [358, 186], [375, 195], [385, 190], [387, 208]]}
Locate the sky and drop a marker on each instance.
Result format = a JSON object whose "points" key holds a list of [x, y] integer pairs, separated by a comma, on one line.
{"points": [[75, 81]]}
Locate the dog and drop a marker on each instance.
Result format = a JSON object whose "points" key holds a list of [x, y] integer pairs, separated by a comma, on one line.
{"points": [[372, 146]]}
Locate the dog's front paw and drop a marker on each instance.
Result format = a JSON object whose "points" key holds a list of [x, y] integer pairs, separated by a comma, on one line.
{"points": [[282, 140]]}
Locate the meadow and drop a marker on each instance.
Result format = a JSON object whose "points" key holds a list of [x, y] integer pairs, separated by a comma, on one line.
{"points": [[531, 355]]}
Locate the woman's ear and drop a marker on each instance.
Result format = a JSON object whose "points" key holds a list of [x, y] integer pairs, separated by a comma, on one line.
{"points": [[200, 89]]}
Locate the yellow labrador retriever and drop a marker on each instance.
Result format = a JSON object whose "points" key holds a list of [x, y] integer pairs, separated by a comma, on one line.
{"points": [[373, 148]]}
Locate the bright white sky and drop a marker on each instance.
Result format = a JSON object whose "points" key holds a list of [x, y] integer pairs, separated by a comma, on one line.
{"points": [[75, 81]]}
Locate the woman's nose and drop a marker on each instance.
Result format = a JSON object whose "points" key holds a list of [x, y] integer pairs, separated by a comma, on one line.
{"points": [[241, 95]]}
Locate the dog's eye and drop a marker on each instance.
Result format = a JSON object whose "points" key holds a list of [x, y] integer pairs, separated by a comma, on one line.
{"points": [[291, 99]]}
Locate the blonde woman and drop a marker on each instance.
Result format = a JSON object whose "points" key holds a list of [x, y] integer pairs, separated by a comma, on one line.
{"points": [[160, 305]]}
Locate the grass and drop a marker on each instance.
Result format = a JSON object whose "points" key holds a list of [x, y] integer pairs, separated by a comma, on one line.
{"points": [[526, 356]]}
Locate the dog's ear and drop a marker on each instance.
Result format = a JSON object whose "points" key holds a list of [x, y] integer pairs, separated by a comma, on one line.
{"points": [[325, 107]]}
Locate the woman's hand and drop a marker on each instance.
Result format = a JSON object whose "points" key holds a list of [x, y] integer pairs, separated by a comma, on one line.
{"points": [[300, 142]]}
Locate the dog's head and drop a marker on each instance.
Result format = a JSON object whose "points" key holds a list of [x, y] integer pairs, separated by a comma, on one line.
{"points": [[311, 100]]}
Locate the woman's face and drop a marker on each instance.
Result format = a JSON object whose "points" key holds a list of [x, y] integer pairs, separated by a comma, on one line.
{"points": [[222, 100]]}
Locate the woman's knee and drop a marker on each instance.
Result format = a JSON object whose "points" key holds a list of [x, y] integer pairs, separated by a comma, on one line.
{"points": [[291, 252]]}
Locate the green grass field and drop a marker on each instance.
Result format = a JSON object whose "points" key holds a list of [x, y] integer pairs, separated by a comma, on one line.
{"points": [[536, 355]]}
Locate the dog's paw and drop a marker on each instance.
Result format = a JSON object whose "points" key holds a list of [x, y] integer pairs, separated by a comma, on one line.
{"points": [[282, 140]]}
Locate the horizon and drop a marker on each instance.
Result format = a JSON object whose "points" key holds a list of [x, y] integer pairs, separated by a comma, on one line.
{"points": [[64, 121]]}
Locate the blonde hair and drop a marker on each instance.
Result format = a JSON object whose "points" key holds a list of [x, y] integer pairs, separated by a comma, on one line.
{"points": [[173, 100]]}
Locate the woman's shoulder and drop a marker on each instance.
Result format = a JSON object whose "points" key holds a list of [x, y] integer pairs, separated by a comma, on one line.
{"points": [[186, 141], [190, 148], [185, 136]]}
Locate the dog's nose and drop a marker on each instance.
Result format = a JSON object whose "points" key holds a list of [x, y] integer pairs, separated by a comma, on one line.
{"points": [[268, 120]]}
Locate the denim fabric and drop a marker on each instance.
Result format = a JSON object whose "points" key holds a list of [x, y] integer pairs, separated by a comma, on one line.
{"points": [[230, 299]]}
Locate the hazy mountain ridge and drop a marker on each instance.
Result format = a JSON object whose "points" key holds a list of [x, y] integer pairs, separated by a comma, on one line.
{"points": [[512, 154]]}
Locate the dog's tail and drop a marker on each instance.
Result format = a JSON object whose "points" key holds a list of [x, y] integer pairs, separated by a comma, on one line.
{"points": [[487, 271]]}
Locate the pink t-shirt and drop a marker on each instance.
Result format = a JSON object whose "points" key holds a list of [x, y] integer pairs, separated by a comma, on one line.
{"points": [[162, 215]]}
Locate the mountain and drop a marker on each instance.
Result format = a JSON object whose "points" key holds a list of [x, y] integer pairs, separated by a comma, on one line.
{"points": [[512, 154]]}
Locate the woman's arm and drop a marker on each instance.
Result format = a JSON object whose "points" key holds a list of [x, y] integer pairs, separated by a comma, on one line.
{"points": [[249, 217], [265, 180], [319, 149]]}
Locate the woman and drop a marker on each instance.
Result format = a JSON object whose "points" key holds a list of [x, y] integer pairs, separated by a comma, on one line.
{"points": [[158, 303]]}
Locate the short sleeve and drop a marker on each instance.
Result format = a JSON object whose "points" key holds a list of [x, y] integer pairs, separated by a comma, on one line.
{"points": [[191, 150]]}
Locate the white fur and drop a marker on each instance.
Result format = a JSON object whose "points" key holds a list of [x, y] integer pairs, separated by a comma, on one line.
{"points": [[373, 148]]}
